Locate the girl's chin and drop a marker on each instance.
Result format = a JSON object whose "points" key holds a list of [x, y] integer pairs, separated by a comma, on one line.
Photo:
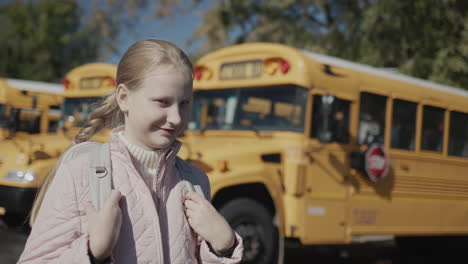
{"points": [[161, 142]]}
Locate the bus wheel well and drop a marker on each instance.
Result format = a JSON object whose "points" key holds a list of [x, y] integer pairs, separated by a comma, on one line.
{"points": [[255, 191]]}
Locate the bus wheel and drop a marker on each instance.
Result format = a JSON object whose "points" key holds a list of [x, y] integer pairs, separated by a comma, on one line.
{"points": [[252, 221]]}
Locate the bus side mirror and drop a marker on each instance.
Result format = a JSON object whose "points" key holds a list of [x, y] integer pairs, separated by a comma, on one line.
{"points": [[326, 116]]}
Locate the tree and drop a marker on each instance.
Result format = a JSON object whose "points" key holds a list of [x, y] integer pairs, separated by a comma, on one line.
{"points": [[426, 39], [423, 38], [324, 26], [41, 40]]}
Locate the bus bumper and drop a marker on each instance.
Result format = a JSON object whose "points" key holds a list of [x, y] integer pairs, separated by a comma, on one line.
{"points": [[17, 200]]}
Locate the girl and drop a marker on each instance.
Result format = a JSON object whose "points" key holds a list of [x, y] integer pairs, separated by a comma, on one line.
{"points": [[150, 216]]}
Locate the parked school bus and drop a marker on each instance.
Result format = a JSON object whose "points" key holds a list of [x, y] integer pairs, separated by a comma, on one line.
{"points": [[26, 162], [84, 85], [29, 113], [320, 150]]}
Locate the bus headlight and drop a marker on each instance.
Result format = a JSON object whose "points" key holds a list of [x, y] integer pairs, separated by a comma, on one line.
{"points": [[23, 176]]}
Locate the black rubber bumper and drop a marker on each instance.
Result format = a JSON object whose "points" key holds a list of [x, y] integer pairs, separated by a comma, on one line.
{"points": [[17, 200]]}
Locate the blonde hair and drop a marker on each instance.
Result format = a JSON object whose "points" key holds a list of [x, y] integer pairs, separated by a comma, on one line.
{"points": [[139, 60]]}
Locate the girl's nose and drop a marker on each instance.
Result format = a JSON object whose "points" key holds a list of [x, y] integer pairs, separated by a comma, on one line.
{"points": [[173, 115]]}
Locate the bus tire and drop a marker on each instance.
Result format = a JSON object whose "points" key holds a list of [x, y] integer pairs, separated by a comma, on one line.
{"points": [[254, 223]]}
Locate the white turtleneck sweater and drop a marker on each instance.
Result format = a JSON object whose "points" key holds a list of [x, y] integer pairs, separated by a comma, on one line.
{"points": [[148, 160]]}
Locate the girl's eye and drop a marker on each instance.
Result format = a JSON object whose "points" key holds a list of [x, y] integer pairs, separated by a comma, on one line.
{"points": [[186, 102], [162, 101]]}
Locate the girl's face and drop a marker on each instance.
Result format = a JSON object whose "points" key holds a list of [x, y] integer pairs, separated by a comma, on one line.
{"points": [[158, 111]]}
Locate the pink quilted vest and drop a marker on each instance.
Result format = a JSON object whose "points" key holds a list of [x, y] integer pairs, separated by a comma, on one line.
{"points": [[154, 227]]}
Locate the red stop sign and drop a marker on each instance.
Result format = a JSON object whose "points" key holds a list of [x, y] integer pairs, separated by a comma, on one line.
{"points": [[376, 162]]}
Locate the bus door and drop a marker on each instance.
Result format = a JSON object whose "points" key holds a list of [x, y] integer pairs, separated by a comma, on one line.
{"points": [[327, 174]]}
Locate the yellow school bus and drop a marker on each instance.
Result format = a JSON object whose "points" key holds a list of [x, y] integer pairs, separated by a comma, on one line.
{"points": [[304, 147], [84, 85], [24, 165], [29, 116]]}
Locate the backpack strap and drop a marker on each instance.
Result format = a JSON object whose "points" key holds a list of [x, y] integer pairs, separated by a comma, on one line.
{"points": [[100, 174], [190, 180]]}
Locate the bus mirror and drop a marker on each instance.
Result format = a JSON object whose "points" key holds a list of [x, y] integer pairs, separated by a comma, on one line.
{"points": [[326, 117]]}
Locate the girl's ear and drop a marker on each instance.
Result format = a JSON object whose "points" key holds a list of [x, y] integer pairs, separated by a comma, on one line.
{"points": [[122, 93]]}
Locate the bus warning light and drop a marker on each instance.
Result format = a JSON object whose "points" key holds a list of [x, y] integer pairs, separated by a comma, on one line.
{"points": [[284, 66], [198, 73], [110, 81], [276, 64], [66, 83]]}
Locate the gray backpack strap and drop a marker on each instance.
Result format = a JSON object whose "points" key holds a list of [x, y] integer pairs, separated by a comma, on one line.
{"points": [[100, 174], [190, 180]]}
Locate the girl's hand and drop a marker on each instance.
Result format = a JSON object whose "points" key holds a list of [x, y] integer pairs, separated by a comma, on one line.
{"points": [[208, 223], [104, 226]]}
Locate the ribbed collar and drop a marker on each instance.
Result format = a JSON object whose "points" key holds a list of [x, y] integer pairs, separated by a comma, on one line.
{"points": [[147, 158]]}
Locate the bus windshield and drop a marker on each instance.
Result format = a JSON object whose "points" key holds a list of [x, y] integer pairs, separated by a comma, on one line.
{"points": [[279, 108], [3, 116], [77, 110]]}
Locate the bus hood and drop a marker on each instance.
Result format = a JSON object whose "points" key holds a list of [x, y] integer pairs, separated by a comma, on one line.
{"points": [[21, 152], [208, 153]]}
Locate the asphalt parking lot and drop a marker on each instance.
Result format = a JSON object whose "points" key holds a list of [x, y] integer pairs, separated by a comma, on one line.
{"points": [[13, 239]]}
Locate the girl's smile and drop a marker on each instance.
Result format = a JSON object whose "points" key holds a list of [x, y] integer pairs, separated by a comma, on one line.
{"points": [[168, 131]]}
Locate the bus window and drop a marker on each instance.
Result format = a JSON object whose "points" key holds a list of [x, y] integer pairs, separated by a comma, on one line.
{"points": [[372, 118], [272, 108], [403, 124], [213, 109], [77, 110], [55, 114], [340, 126], [458, 139], [433, 129], [263, 108]]}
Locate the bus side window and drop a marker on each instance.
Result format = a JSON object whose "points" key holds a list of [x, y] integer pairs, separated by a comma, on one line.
{"points": [[433, 129], [458, 138], [403, 125], [340, 115], [372, 118]]}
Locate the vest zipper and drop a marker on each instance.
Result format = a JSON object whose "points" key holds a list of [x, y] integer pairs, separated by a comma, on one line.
{"points": [[157, 224], [161, 169]]}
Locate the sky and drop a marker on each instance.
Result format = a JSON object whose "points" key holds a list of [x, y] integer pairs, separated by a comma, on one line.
{"points": [[178, 31]]}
